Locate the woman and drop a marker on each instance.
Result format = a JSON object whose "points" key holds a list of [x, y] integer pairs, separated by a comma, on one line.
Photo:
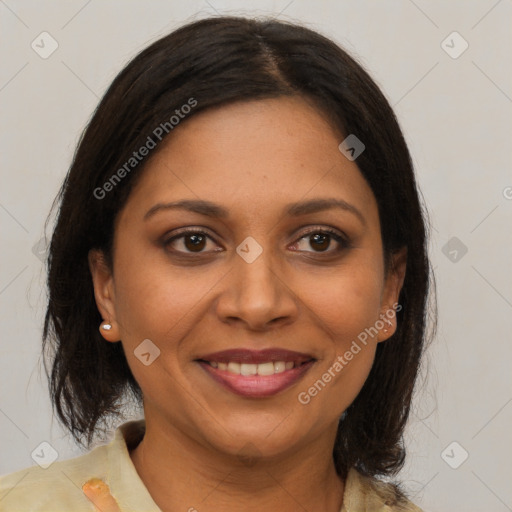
{"points": [[240, 246]]}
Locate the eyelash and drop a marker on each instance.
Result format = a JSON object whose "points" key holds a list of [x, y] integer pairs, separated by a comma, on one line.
{"points": [[342, 240]]}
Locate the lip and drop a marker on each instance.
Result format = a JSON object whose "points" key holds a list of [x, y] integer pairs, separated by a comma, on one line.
{"points": [[257, 386]]}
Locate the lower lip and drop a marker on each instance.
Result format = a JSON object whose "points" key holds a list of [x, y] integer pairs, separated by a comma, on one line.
{"points": [[257, 386]]}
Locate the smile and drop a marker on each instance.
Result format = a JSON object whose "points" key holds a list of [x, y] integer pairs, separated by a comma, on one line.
{"points": [[256, 374]]}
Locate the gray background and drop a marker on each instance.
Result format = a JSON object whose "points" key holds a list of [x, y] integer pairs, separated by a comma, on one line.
{"points": [[455, 113]]}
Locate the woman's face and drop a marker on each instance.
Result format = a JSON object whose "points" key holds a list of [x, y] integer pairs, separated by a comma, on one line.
{"points": [[266, 269]]}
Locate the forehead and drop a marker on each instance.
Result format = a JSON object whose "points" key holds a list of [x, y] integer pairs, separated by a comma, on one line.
{"points": [[253, 156]]}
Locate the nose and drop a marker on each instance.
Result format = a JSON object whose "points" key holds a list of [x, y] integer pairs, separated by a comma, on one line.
{"points": [[257, 294]]}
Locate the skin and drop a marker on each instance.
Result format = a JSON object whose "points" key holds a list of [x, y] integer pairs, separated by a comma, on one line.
{"points": [[253, 158]]}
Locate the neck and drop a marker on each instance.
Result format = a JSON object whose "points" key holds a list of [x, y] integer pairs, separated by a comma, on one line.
{"points": [[181, 474]]}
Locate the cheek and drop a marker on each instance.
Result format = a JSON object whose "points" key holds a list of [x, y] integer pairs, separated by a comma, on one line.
{"points": [[345, 302], [157, 301], [346, 305]]}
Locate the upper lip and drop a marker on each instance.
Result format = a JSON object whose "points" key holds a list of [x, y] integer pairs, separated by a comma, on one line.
{"points": [[242, 355]]}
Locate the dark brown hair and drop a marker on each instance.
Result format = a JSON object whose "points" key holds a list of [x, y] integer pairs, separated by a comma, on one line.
{"points": [[217, 61]]}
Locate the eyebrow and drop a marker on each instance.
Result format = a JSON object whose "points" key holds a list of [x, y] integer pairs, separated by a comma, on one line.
{"points": [[210, 209]]}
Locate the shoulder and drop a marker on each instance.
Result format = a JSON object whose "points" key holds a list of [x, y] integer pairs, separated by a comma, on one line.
{"points": [[56, 488], [364, 494]]}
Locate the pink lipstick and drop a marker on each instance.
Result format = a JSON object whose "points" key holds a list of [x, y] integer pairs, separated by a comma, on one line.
{"points": [[256, 373]]}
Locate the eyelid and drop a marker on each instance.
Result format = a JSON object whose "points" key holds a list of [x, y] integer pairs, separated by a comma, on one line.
{"points": [[186, 230], [324, 229]]}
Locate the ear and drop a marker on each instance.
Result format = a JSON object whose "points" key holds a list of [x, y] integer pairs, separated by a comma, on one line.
{"points": [[391, 292], [103, 282]]}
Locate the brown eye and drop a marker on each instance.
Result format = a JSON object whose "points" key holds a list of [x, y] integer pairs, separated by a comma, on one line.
{"points": [[321, 240], [190, 242], [195, 242]]}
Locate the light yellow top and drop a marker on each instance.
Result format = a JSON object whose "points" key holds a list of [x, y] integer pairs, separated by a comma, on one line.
{"points": [[61, 487]]}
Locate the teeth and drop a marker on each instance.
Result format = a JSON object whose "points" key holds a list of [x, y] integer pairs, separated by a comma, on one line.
{"points": [[266, 368], [234, 367], [246, 369], [279, 366]]}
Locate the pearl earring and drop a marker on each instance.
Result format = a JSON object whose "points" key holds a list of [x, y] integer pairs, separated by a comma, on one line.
{"points": [[106, 327]]}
